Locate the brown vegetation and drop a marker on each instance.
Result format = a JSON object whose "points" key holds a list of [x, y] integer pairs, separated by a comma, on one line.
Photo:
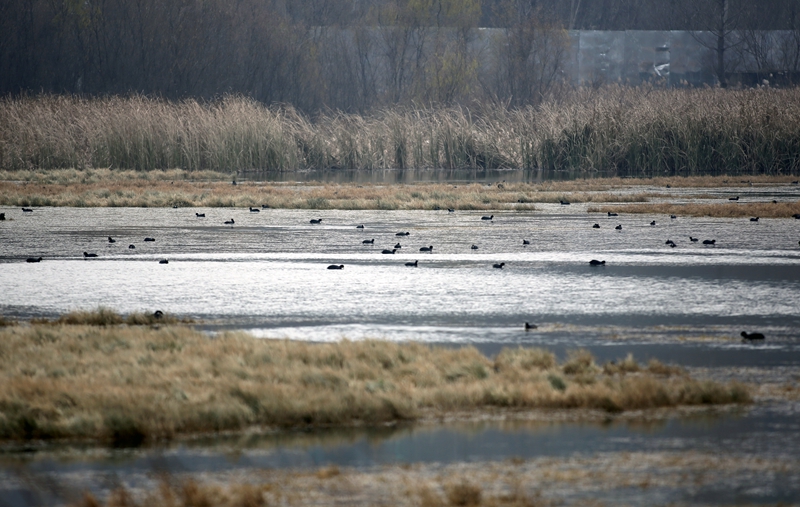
{"points": [[103, 187], [126, 383], [630, 132], [574, 480], [724, 210]]}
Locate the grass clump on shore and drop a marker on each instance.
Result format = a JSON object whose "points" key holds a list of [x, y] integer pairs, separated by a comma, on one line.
{"points": [[720, 210], [619, 130], [127, 384]]}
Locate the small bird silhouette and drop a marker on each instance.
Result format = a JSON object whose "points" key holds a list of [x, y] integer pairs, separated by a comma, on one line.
{"points": [[595, 262]]}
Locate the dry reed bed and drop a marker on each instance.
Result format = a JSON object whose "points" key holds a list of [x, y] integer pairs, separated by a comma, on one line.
{"points": [[104, 187], [630, 131], [130, 383], [720, 210], [576, 480], [306, 196]]}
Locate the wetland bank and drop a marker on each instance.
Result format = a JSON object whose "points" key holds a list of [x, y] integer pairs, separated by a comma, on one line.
{"points": [[270, 380]]}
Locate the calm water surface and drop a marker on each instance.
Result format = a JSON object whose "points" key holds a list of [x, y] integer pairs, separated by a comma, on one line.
{"points": [[267, 274]]}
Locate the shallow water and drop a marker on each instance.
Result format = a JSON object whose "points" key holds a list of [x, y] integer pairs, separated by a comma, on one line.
{"points": [[267, 274], [767, 433]]}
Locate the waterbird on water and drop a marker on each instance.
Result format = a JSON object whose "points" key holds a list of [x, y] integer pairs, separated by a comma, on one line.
{"points": [[254, 210], [752, 336], [200, 215], [613, 214], [426, 249], [564, 203], [402, 234], [474, 247], [754, 219], [368, 241], [490, 217], [153, 239], [131, 247], [33, 259], [595, 262], [111, 240], [596, 226], [27, 210], [709, 241], [2, 216], [230, 222], [526, 242], [387, 251], [673, 217], [451, 210], [163, 261], [499, 266], [398, 246], [315, 221], [359, 227], [619, 227], [528, 327], [86, 255], [412, 264], [733, 198], [336, 266], [693, 240], [653, 222]]}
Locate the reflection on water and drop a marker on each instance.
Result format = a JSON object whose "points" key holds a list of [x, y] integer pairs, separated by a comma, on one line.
{"points": [[268, 274], [760, 432]]}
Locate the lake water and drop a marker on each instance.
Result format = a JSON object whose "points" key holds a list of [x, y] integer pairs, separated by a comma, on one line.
{"points": [[268, 274]]}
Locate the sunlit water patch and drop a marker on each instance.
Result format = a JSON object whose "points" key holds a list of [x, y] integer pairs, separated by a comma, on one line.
{"points": [[268, 273]]}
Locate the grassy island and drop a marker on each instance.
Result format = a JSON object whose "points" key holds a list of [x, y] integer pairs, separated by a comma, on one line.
{"points": [[127, 383]]}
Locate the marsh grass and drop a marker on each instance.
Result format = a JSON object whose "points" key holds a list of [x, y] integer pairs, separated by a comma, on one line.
{"points": [[722, 210], [618, 130], [126, 384]]}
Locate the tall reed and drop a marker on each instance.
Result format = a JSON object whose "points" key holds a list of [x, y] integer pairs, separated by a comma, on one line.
{"points": [[619, 130]]}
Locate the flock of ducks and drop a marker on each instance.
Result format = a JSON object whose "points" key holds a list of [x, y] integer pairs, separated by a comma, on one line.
{"points": [[746, 337]]}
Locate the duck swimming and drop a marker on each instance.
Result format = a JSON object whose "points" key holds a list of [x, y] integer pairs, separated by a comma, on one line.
{"points": [[387, 251], [33, 259], [752, 336], [336, 266], [315, 221], [402, 234], [595, 262], [491, 217], [412, 264], [499, 266], [200, 215], [86, 255], [613, 214], [111, 240], [709, 241], [596, 226], [474, 247], [528, 327], [526, 242], [368, 241], [426, 249], [619, 227], [230, 222]]}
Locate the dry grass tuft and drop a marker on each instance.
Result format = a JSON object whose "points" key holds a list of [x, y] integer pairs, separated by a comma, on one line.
{"points": [[128, 384]]}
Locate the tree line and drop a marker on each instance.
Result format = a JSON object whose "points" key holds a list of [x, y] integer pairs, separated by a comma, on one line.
{"points": [[349, 55]]}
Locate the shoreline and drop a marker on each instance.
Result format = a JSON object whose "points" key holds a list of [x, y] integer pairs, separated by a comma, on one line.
{"points": [[129, 384], [169, 189]]}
